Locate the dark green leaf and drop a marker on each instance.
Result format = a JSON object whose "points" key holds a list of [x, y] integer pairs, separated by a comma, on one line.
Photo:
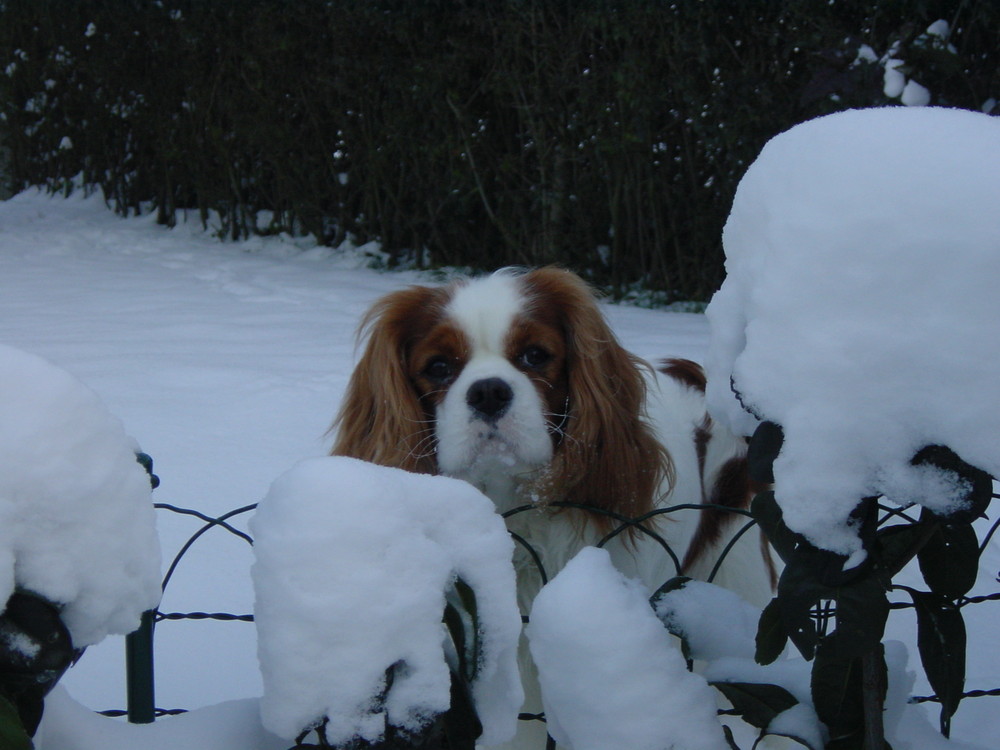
{"points": [[757, 703], [794, 738], [837, 693], [460, 724], [767, 513], [798, 592], [823, 565], [979, 484], [853, 741], [862, 611], [864, 519], [27, 675], [12, 734], [771, 635], [675, 583], [949, 560], [897, 545], [941, 641], [765, 445]]}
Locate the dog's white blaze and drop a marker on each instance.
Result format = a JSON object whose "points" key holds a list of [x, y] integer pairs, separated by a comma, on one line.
{"points": [[485, 309], [496, 457]]}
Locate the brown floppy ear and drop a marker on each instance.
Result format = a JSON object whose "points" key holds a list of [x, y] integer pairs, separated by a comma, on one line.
{"points": [[608, 457], [381, 418]]}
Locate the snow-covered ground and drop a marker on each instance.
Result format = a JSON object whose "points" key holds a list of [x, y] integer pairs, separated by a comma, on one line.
{"points": [[227, 362]]}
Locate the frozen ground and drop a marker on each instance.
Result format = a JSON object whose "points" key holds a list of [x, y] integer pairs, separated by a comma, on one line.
{"points": [[226, 362]]}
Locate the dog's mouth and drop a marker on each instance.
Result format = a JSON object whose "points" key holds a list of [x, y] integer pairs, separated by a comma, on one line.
{"points": [[488, 443], [493, 451]]}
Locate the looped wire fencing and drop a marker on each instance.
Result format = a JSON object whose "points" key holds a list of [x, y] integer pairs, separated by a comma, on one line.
{"points": [[139, 645], [139, 662]]}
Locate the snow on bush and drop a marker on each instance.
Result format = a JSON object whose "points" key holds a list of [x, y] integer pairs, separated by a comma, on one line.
{"points": [[352, 564], [720, 628], [77, 523], [898, 82], [610, 676], [860, 309], [714, 621]]}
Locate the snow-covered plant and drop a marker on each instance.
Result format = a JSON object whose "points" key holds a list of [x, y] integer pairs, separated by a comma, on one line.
{"points": [[718, 629], [835, 615], [855, 339], [610, 676], [356, 567], [79, 555]]}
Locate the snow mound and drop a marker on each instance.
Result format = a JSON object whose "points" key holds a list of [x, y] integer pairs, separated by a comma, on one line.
{"points": [[231, 725], [714, 621], [860, 308], [610, 676], [352, 564], [77, 523]]}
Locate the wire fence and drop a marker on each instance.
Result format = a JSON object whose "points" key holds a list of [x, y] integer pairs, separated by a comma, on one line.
{"points": [[139, 645]]}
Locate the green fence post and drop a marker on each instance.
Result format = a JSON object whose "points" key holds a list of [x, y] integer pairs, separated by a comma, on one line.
{"points": [[139, 672]]}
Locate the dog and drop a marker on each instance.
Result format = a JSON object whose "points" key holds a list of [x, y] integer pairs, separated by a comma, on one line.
{"points": [[516, 383]]}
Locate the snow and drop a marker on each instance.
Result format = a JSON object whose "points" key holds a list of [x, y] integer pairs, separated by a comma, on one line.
{"points": [[223, 726], [591, 628], [352, 564], [714, 621], [894, 80], [859, 310], [896, 83], [76, 517], [915, 95], [227, 362], [720, 630]]}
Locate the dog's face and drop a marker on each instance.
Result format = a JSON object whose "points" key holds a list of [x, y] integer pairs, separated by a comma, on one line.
{"points": [[491, 374], [513, 382]]}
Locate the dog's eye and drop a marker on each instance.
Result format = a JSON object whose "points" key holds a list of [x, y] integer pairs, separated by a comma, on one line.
{"points": [[534, 357], [439, 370]]}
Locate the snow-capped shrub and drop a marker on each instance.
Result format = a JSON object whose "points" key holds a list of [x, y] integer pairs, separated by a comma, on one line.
{"points": [[353, 562], [855, 338], [77, 524], [860, 308], [610, 676]]}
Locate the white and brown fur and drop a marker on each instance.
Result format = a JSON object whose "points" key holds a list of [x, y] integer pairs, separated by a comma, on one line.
{"points": [[516, 383]]}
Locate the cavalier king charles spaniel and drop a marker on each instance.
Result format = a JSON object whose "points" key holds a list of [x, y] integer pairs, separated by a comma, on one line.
{"points": [[516, 383]]}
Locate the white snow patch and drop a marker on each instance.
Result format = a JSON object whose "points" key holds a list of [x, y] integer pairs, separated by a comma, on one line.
{"points": [[76, 519], [859, 309], [893, 80], [714, 621], [229, 725], [352, 564], [915, 95], [610, 676]]}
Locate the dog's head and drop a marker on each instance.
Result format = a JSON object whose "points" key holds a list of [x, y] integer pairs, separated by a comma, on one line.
{"points": [[513, 382]]}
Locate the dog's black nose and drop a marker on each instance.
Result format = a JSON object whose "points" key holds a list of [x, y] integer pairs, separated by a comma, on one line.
{"points": [[489, 398]]}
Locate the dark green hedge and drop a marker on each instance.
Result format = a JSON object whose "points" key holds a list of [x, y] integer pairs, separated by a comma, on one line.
{"points": [[605, 136]]}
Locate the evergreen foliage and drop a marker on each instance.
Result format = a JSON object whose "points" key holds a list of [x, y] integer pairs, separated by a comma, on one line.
{"points": [[605, 136]]}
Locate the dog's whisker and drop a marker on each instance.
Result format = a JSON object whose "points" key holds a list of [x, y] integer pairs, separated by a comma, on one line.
{"points": [[425, 438]]}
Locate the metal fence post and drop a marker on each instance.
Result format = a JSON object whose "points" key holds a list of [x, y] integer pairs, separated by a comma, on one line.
{"points": [[139, 672]]}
